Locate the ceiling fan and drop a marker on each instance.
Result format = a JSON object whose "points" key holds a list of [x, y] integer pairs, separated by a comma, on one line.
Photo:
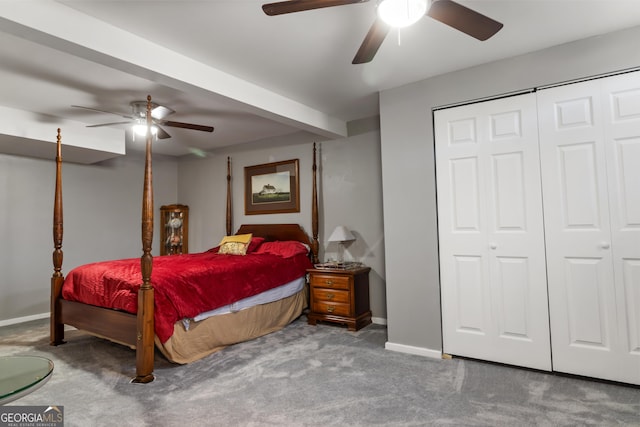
{"points": [[448, 12], [158, 115]]}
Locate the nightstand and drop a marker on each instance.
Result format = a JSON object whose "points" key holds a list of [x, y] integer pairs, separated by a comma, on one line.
{"points": [[340, 296]]}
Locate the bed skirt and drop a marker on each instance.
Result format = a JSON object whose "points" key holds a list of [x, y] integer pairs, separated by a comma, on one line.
{"points": [[215, 333]]}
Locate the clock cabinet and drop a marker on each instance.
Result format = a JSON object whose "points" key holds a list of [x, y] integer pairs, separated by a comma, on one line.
{"points": [[174, 231]]}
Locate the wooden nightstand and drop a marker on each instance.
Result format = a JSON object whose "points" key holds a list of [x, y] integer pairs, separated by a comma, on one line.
{"points": [[340, 296]]}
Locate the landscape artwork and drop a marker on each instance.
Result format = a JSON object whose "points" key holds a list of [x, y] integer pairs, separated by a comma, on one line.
{"points": [[272, 188]]}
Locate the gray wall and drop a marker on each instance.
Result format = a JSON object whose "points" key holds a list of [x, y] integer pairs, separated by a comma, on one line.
{"points": [[102, 216], [350, 194], [407, 146], [102, 208]]}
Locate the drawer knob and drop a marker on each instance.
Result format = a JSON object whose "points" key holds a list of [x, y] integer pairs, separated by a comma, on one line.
{"points": [[329, 282], [330, 296], [330, 309]]}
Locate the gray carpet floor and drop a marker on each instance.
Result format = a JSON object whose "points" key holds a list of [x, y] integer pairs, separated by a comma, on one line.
{"points": [[309, 376]]}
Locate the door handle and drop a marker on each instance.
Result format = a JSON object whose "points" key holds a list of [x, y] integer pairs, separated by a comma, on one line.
{"points": [[605, 245]]}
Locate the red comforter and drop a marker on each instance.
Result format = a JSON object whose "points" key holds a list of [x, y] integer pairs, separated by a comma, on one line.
{"points": [[184, 285]]}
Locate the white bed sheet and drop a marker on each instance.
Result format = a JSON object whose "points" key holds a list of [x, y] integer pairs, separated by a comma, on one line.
{"points": [[271, 295]]}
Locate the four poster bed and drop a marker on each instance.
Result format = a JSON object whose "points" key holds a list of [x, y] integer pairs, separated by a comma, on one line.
{"points": [[188, 306]]}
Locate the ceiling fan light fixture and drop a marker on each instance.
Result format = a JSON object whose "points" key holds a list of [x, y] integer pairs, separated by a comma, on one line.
{"points": [[401, 13], [141, 130]]}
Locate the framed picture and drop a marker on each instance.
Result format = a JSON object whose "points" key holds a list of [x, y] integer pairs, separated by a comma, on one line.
{"points": [[271, 188]]}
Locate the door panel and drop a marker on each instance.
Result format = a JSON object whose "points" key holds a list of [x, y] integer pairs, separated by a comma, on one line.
{"points": [[622, 149], [491, 235], [586, 281], [464, 184], [580, 198], [589, 140], [469, 289], [512, 274]]}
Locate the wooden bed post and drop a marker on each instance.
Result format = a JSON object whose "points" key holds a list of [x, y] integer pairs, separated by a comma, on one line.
{"points": [[56, 336], [229, 210], [145, 325], [314, 209]]}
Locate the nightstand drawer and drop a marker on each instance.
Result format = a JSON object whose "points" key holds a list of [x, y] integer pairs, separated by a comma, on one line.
{"points": [[330, 281], [330, 295], [331, 309]]}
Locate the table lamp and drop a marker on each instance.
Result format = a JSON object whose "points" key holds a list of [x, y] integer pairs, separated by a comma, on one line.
{"points": [[341, 235]]}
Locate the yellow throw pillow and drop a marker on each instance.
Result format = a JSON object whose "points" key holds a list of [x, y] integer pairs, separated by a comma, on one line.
{"points": [[235, 245], [240, 238]]}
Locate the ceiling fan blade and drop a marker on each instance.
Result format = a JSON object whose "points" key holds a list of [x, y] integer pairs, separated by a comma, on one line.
{"points": [[372, 42], [126, 116], [160, 112], [185, 125], [290, 6], [162, 134], [108, 124], [464, 19]]}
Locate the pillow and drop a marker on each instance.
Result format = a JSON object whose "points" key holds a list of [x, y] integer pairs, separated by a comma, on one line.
{"points": [[254, 244], [240, 238], [283, 248], [235, 245]]}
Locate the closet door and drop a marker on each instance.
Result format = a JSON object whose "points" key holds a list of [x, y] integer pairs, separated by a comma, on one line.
{"points": [[493, 281], [622, 149], [590, 152]]}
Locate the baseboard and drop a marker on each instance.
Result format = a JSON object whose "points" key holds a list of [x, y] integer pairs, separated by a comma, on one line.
{"points": [[379, 320], [24, 319], [419, 351]]}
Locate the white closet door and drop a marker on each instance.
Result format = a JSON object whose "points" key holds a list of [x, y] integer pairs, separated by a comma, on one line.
{"points": [[589, 146], [622, 149], [493, 281]]}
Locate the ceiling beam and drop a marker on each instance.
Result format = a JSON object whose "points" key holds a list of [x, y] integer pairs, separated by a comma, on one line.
{"points": [[60, 27]]}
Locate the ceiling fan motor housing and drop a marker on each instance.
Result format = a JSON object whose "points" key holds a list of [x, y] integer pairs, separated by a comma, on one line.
{"points": [[158, 111]]}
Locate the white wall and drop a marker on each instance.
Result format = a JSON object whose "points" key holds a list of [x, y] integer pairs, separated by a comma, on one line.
{"points": [[408, 170], [102, 220], [349, 182]]}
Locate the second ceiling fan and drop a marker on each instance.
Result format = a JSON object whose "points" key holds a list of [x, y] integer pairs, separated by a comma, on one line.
{"points": [[159, 114], [448, 12]]}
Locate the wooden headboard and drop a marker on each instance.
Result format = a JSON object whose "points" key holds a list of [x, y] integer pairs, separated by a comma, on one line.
{"points": [[273, 232]]}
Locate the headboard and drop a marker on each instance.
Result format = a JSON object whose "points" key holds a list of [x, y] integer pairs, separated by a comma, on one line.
{"points": [[279, 232]]}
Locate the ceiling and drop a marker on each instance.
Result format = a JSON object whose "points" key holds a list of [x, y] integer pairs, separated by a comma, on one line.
{"points": [[226, 64]]}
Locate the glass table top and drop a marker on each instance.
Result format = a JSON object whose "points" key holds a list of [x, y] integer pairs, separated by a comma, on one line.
{"points": [[20, 375]]}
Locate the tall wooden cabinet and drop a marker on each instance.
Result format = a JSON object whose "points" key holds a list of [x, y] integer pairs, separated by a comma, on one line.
{"points": [[174, 231]]}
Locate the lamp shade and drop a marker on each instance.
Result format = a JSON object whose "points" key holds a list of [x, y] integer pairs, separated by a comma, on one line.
{"points": [[341, 234]]}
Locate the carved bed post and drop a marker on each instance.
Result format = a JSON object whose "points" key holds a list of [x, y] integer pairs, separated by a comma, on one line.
{"points": [[57, 327], [229, 210], [145, 326], [314, 209]]}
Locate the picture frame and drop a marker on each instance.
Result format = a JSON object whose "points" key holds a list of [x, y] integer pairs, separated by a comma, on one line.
{"points": [[272, 188]]}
